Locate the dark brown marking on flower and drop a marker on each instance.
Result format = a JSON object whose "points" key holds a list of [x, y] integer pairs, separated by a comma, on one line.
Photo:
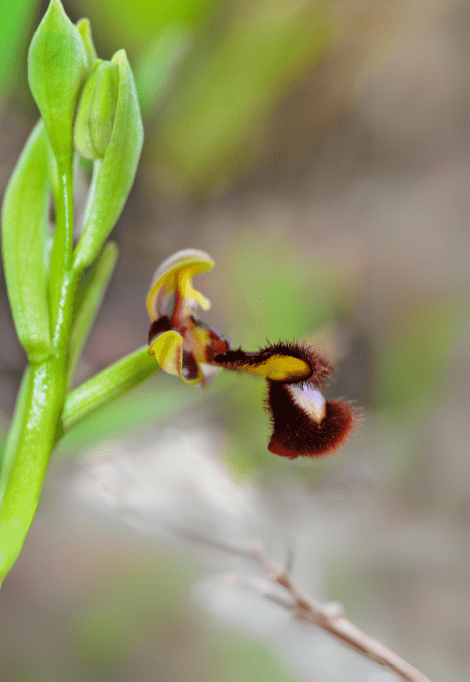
{"points": [[297, 433], [190, 368], [158, 326], [214, 341]]}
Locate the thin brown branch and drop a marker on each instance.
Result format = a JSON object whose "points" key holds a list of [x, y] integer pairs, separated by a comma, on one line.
{"points": [[329, 617], [333, 622]]}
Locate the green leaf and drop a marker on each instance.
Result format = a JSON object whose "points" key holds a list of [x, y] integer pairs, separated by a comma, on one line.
{"points": [[94, 289], [24, 245], [96, 111], [114, 174], [57, 67]]}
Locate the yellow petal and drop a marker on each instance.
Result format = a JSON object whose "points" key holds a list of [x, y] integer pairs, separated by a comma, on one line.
{"points": [[168, 349], [175, 274]]}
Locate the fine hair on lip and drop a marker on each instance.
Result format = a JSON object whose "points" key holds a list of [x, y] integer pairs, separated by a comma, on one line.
{"points": [[296, 432]]}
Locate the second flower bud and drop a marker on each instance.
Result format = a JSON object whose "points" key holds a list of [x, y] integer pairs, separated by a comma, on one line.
{"points": [[96, 111]]}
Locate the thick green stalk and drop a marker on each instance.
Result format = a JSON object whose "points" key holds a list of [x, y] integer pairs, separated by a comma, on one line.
{"points": [[62, 281], [88, 301], [42, 408], [45, 393]]}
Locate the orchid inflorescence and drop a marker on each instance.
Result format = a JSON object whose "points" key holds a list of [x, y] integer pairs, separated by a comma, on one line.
{"points": [[303, 422]]}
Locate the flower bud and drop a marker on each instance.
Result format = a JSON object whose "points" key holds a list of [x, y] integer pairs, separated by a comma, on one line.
{"points": [[57, 67], [110, 187], [96, 111], [84, 28]]}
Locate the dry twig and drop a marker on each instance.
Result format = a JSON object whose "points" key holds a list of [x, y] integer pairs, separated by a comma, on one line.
{"points": [[332, 620], [329, 617]]}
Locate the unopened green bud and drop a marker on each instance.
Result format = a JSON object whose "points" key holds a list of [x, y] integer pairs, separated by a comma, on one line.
{"points": [[84, 28], [114, 174], [96, 111], [57, 67]]}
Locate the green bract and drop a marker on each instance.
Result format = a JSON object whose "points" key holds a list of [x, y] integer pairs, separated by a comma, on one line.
{"points": [[57, 67], [96, 111], [24, 230], [114, 174]]}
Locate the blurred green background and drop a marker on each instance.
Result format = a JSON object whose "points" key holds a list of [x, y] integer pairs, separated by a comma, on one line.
{"points": [[319, 152]]}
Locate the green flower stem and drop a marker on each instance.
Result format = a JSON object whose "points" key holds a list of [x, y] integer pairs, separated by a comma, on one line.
{"points": [[42, 406], [36, 432], [92, 289], [62, 280], [108, 385]]}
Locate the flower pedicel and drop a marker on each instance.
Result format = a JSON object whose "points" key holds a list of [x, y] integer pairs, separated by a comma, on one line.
{"points": [[303, 422]]}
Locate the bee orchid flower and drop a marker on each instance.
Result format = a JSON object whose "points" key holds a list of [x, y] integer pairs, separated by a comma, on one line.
{"points": [[303, 422]]}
